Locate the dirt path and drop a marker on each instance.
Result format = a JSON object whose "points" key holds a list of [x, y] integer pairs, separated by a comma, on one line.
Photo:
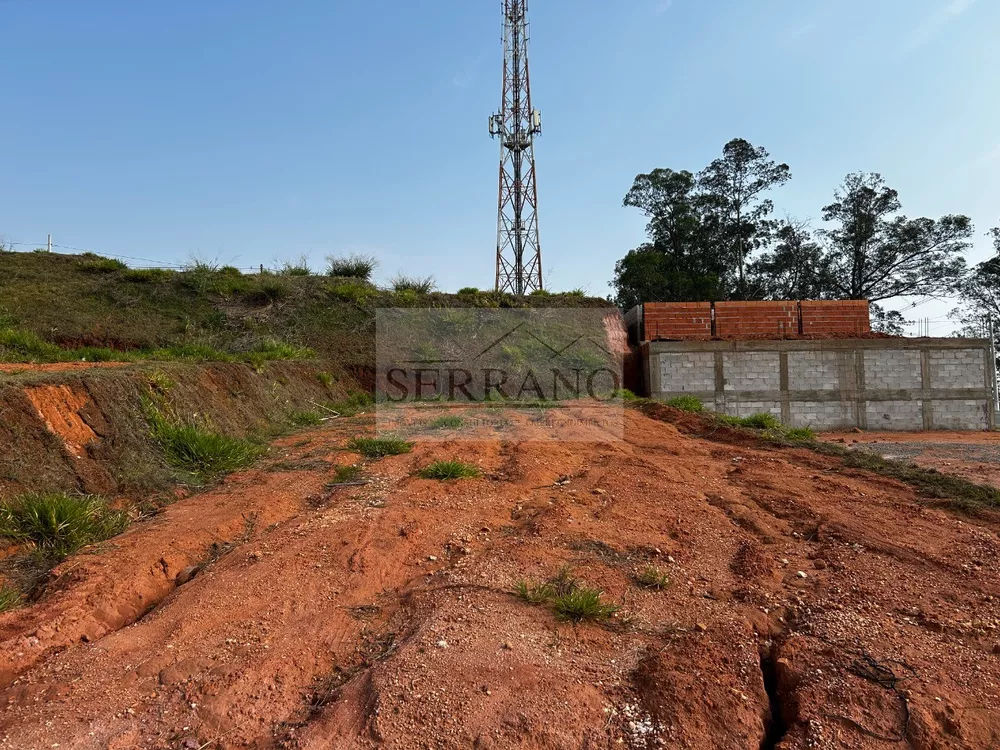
{"points": [[971, 455], [808, 608]]}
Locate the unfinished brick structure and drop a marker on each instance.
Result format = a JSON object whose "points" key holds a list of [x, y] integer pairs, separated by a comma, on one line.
{"points": [[701, 321]]}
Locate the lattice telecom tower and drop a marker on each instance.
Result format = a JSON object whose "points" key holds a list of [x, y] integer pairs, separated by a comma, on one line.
{"points": [[519, 253]]}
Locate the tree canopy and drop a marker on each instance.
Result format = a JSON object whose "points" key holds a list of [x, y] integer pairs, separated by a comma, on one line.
{"points": [[711, 236]]}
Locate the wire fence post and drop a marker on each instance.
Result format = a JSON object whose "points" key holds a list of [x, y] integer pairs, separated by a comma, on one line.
{"points": [[50, 242]]}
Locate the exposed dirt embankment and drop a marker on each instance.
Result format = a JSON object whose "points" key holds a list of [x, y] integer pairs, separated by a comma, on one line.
{"points": [[806, 607], [84, 429]]}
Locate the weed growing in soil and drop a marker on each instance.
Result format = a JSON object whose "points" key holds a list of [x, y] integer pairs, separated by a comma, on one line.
{"points": [[567, 597], [761, 421], [450, 422], [687, 403], [9, 598], [583, 603], [355, 403], [652, 578], [800, 434], [204, 453], [534, 593], [57, 524], [449, 470], [325, 379], [346, 474], [379, 447], [305, 418], [416, 284]]}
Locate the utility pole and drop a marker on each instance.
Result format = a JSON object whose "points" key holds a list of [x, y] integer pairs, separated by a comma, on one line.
{"points": [[519, 252]]}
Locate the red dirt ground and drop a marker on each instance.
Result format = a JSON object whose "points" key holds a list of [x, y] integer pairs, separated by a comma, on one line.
{"points": [[809, 607], [971, 455], [14, 367]]}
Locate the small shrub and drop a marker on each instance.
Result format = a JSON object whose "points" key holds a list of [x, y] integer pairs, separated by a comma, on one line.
{"points": [[351, 266], [103, 265], [232, 271], [444, 470], [403, 283], [305, 418], [541, 293], [800, 434], [534, 593], [325, 379], [346, 474], [9, 598], [468, 290], [202, 452], [379, 447], [450, 422], [58, 524], [652, 578], [148, 275], [266, 290], [581, 604], [687, 403], [576, 293]]}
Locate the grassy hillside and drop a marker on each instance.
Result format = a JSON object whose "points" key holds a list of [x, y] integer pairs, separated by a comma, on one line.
{"points": [[61, 307]]}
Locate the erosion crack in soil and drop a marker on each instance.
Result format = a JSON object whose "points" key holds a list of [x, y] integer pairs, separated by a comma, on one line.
{"points": [[383, 615]]}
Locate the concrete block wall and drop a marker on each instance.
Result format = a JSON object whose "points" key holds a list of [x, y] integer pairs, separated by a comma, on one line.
{"points": [[875, 384]]}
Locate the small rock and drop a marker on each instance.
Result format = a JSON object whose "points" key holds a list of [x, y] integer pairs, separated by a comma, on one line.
{"points": [[801, 574], [191, 744], [442, 643], [819, 564], [701, 627], [506, 646], [599, 491], [432, 558]]}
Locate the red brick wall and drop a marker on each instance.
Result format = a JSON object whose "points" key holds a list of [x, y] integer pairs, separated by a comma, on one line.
{"points": [[677, 320], [737, 320], [835, 317]]}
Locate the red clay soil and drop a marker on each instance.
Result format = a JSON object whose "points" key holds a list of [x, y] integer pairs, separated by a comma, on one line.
{"points": [[971, 455], [808, 608], [14, 367]]}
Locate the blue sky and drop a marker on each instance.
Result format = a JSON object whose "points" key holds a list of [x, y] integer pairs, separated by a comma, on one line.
{"points": [[252, 132]]}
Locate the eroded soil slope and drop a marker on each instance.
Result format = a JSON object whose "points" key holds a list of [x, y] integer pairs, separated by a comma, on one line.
{"points": [[807, 607]]}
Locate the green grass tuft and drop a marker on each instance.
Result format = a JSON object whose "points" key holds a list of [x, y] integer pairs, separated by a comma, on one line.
{"points": [[346, 474], [102, 265], [687, 403], [379, 447], [325, 379], [10, 598], [204, 453], [760, 421], [351, 266], [800, 434], [583, 603], [148, 275], [467, 290], [444, 470], [417, 284], [305, 418], [652, 578], [534, 593], [58, 524]]}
